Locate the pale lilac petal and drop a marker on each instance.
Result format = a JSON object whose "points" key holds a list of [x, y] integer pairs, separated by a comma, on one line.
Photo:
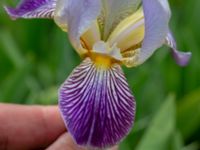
{"points": [[78, 16], [157, 15], [181, 58], [114, 11], [33, 9], [97, 105], [170, 41]]}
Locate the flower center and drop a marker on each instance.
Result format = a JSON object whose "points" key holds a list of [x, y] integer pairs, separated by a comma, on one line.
{"points": [[103, 55], [102, 61]]}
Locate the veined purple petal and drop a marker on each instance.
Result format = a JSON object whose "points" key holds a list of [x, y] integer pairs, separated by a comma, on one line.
{"points": [[181, 58], [33, 9], [97, 105], [157, 15]]}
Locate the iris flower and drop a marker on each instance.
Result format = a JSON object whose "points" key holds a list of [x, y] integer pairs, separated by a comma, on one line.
{"points": [[95, 101]]}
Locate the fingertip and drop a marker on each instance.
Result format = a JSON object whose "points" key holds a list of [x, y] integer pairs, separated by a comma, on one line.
{"points": [[65, 141]]}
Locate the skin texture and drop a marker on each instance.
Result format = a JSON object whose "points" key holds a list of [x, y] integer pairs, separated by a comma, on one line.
{"points": [[33, 127]]}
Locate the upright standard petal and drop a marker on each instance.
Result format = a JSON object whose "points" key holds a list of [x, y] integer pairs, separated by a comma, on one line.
{"points": [[157, 15], [33, 9], [77, 16], [97, 105], [181, 58], [114, 11], [129, 32]]}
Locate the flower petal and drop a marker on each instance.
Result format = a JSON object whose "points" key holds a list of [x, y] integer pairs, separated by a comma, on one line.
{"points": [[114, 11], [77, 16], [157, 15], [33, 9], [129, 32], [97, 105], [181, 58]]}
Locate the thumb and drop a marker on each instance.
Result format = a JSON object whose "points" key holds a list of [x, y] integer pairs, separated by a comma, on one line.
{"points": [[65, 141]]}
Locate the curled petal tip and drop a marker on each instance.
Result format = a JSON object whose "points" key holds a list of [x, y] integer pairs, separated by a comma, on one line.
{"points": [[181, 58], [97, 105], [11, 12], [32, 9]]}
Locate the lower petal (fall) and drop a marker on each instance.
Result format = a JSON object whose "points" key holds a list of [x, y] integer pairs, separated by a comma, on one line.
{"points": [[97, 105]]}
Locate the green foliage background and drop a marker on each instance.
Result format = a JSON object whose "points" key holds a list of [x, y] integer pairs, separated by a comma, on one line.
{"points": [[36, 57]]}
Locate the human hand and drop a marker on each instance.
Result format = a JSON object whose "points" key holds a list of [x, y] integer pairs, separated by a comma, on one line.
{"points": [[33, 127]]}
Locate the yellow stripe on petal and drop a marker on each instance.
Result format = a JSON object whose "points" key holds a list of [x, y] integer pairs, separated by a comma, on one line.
{"points": [[91, 36], [129, 32]]}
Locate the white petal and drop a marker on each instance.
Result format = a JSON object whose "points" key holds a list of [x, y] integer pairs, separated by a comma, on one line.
{"points": [[157, 15], [77, 16], [104, 48]]}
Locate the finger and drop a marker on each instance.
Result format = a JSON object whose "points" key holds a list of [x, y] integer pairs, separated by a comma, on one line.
{"points": [[29, 127], [65, 141]]}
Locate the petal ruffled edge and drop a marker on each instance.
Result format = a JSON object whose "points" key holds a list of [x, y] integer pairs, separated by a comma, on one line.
{"points": [[32, 9], [157, 15], [97, 105], [181, 58]]}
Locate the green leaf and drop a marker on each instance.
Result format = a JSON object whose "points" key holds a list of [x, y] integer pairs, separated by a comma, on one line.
{"points": [[176, 141], [188, 114], [161, 127], [45, 97], [10, 48], [192, 146], [14, 84]]}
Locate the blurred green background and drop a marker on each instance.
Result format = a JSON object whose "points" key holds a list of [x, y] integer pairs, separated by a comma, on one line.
{"points": [[36, 57]]}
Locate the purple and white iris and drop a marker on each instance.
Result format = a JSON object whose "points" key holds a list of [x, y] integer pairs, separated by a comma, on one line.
{"points": [[96, 102]]}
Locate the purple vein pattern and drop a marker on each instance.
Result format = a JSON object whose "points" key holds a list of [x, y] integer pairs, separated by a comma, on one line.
{"points": [[97, 105], [33, 9]]}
